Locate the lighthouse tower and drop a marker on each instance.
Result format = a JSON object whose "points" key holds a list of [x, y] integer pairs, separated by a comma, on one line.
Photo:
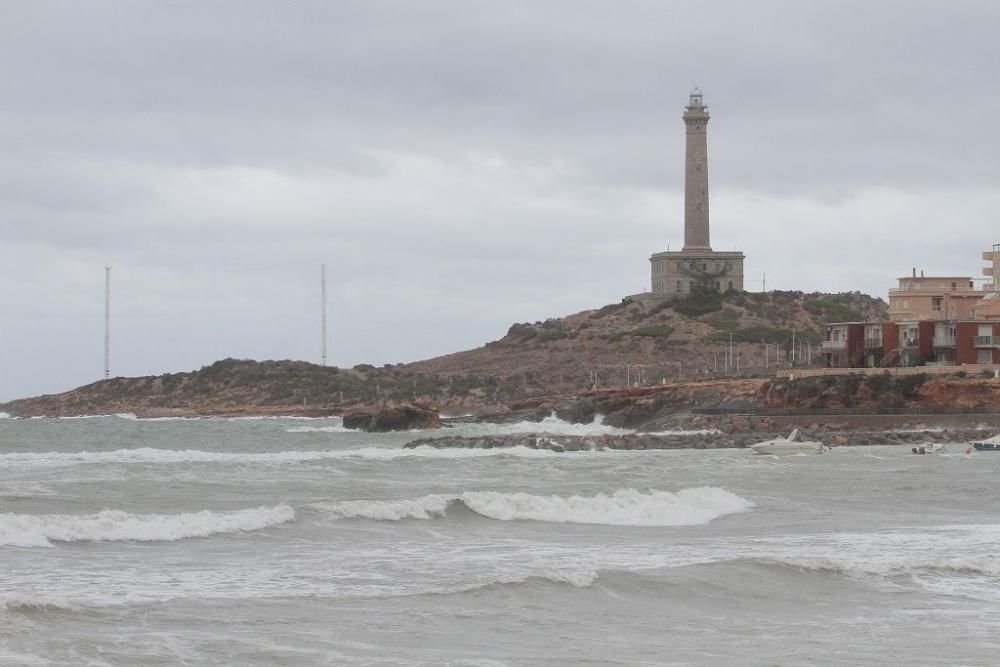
{"points": [[696, 174], [696, 265]]}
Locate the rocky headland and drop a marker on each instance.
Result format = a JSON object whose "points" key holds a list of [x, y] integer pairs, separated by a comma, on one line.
{"points": [[587, 366], [649, 340]]}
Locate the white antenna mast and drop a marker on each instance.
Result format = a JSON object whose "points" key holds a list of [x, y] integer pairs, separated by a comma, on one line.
{"points": [[322, 310], [107, 322]]}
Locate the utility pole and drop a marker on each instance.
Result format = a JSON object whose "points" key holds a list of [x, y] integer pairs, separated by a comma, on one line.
{"points": [[107, 322], [322, 312], [628, 375], [763, 280], [793, 347]]}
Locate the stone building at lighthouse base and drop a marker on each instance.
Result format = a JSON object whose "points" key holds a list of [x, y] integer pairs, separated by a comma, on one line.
{"points": [[685, 271]]}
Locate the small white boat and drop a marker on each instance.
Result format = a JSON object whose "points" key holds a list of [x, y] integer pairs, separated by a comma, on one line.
{"points": [[988, 445], [932, 448], [790, 445]]}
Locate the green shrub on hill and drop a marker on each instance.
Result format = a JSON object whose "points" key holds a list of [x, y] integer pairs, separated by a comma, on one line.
{"points": [[521, 331], [654, 331], [764, 335], [609, 309], [700, 301], [835, 308], [727, 320]]}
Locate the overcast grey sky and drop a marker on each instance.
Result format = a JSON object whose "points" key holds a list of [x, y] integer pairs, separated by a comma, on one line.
{"points": [[460, 165]]}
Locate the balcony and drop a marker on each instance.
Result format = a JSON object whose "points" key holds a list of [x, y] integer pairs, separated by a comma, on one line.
{"points": [[833, 345], [873, 343], [987, 341], [944, 340], [909, 341]]}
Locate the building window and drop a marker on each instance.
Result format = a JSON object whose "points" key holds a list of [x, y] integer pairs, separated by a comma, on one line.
{"points": [[718, 284], [730, 284], [936, 304], [679, 286]]}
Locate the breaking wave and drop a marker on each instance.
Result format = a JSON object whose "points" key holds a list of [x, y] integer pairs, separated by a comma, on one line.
{"points": [[166, 456], [551, 425], [29, 530], [625, 507], [27, 603], [896, 564]]}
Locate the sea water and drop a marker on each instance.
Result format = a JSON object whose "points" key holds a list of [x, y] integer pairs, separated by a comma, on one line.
{"points": [[126, 541]]}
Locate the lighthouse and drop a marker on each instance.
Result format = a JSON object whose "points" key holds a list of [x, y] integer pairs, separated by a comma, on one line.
{"points": [[696, 266]]}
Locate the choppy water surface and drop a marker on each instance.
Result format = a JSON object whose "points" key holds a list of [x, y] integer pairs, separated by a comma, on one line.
{"points": [[295, 542]]}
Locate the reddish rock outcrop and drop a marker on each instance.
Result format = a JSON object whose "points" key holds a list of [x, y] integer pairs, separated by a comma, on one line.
{"points": [[393, 418]]}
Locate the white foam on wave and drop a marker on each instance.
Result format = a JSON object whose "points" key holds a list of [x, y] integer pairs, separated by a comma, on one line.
{"points": [[681, 431], [337, 426], [551, 425], [625, 507], [425, 507], [166, 456], [40, 530], [4, 415]]}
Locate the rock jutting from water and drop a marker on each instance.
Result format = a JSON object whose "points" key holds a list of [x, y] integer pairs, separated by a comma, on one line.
{"points": [[393, 418]]}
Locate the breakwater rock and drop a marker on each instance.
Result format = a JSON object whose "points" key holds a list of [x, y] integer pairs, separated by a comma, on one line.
{"points": [[578, 443], [707, 440]]}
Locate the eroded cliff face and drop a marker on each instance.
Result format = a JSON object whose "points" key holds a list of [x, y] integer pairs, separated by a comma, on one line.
{"points": [[966, 393], [883, 392], [661, 406]]}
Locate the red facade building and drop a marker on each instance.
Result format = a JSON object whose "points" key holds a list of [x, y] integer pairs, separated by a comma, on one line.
{"points": [[927, 342]]}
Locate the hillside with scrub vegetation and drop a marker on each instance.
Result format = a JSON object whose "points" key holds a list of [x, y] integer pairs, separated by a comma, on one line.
{"points": [[644, 341]]}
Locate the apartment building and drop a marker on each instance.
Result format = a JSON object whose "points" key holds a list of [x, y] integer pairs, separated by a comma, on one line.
{"points": [[922, 297], [911, 343]]}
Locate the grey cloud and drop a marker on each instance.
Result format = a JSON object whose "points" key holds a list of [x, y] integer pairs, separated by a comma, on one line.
{"points": [[459, 165]]}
